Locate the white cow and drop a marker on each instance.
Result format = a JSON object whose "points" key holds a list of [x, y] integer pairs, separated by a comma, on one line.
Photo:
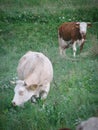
{"points": [[35, 73], [90, 124]]}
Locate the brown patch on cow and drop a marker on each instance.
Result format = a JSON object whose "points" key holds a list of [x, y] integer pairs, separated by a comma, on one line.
{"points": [[32, 87], [71, 33]]}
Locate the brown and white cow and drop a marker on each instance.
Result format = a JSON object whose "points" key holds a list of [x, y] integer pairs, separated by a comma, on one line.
{"points": [[35, 73], [71, 33]]}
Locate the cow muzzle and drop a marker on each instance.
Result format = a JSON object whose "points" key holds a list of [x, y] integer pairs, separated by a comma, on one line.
{"points": [[13, 103], [83, 34]]}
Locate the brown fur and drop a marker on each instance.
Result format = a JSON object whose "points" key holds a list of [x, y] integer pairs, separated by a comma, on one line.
{"points": [[70, 31]]}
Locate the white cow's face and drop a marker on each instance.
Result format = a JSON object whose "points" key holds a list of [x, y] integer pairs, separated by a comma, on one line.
{"points": [[22, 94], [83, 27]]}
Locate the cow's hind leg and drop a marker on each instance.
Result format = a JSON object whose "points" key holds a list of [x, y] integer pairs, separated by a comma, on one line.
{"points": [[62, 46], [62, 51]]}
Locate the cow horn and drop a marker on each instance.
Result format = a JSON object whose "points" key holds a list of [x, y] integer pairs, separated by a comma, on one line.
{"points": [[89, 24], [77, 23], [20, 82], [12, 82]]}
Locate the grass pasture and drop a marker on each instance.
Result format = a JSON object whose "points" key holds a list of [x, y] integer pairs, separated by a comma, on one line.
{"points": [[32, 25]]}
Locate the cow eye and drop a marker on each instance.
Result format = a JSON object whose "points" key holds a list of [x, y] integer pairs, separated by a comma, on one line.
{"points": [[21, 93]]}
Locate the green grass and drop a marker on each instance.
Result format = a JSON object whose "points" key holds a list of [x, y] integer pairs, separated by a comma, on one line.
{"points": [[32, 25]]}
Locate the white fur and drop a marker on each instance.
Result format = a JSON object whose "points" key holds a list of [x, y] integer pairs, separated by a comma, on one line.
{"points": [[74, 49], [83, 27], [62, 45]]}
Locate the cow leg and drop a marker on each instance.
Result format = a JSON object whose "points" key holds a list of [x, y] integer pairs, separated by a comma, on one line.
{"points": [[44, 91], [62, 51], [41, 93], [34, 99], [74, 49], [81, 45], [62, 46]]}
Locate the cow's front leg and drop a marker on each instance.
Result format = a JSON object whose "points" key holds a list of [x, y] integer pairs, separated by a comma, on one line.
{"points": [[34, 98], [81, 46], [44, 91], [74, 48]]}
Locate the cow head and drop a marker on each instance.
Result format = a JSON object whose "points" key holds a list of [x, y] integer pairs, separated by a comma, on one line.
{"points": [[83, 27], [22, 93]]}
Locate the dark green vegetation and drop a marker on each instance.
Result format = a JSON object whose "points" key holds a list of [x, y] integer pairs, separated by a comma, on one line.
{"points": [[32, 25]]}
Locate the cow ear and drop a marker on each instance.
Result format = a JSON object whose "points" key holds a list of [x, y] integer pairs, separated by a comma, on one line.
{"points": [[89, 24], [32, 79], [32, 87], [13, 82], [20, 82], [29, 83], [77, 24]]}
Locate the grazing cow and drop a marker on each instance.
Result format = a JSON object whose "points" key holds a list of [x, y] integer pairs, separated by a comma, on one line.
{"points": [[35, 73], [70, 33], [90, 124]]}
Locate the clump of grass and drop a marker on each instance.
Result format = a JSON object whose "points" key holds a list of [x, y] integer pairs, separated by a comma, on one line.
{"points": [[94, 50]]}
